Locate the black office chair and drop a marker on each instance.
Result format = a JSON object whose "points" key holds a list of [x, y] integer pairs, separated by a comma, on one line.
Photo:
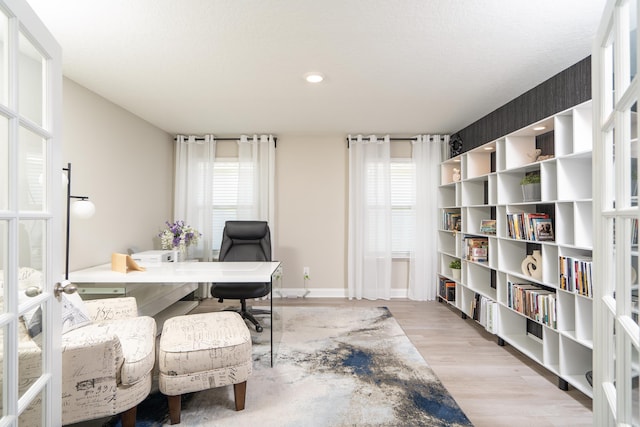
{"points": [[244, 241]]}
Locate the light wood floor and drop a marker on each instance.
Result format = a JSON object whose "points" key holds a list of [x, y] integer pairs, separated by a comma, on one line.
{"points": [[495, 386]]}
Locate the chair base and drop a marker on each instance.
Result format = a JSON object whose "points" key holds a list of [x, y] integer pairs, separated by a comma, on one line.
{"points": [[248, 314], [175, 402]]}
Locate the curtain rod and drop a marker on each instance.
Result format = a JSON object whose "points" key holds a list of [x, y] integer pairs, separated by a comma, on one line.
{"points": [[366, 138], [201, 138]]}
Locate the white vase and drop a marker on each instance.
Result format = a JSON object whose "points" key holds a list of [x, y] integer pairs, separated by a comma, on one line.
{"points": [[532, 265], [455, 273], [179, 255]]}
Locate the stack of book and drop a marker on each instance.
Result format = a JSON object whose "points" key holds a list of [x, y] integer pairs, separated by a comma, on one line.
{"points": [[530, 226], [533, 301], [575, 275], [451, 221], [485, 311], [447, 289], [476, 248]]}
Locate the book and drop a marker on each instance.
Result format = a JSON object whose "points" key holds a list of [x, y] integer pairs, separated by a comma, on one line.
{"points": [[543, 229], [488, 226]]}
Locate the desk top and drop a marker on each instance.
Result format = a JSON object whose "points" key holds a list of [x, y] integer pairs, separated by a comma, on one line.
{"points": [[179, 272]]}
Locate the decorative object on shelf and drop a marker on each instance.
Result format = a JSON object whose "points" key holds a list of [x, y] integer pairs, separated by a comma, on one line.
{"points": [[532, 265], [488, 226], [456, 174], [178, 237], [543, 229], [537, 156], [83, 208], [530, 184], [455, 267], [455, 145], [533, 155]]}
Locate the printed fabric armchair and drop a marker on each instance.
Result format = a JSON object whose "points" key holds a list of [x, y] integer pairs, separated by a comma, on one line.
{"points": [[108, 354], [107, 365]]}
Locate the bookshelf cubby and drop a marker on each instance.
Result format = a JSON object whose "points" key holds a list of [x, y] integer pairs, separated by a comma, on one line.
{"points": [[489, 188]]}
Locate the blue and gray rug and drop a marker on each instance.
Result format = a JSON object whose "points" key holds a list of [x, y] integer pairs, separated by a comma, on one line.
{"points": [[335, 367]]}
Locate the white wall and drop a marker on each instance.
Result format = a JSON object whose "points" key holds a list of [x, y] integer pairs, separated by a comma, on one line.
{"points": [[312, 214], [125, 166]]}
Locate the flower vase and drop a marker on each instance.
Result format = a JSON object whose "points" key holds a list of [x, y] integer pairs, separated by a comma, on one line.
{"points": [[180, 255]]}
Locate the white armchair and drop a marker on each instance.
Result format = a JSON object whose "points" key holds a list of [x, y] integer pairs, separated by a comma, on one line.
{"points": [[107, 365]]}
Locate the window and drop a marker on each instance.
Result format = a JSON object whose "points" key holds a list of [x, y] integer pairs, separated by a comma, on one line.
{"points": [[226, 179], [402, 174]]}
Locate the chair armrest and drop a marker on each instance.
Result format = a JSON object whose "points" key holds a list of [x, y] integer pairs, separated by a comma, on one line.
{"points": [[88, 353], [112, 308]]}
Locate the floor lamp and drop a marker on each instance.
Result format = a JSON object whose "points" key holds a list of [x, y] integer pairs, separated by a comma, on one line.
{"points": [[82, 208]]}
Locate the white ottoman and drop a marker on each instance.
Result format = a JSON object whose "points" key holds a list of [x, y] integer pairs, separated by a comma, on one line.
{"points": [[203, 351]]}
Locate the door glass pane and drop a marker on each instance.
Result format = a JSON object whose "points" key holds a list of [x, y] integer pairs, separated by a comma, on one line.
{"points": [[3, 58], [31, 244], [32, 171], [4, 249], [610, 272], [633, 154], [609, 175], [635, 396], [632, 27], [608, 79], [31, 84], [4, 164], [3, 351], [32, 416], [29, 350]]}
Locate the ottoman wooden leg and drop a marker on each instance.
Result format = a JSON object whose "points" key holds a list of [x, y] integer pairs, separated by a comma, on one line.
{"points": [[239, 393], [128, 417], [174, 409]]}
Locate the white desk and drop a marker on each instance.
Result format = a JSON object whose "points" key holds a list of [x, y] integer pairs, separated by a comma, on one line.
{"points": [[159, 289], [180, 272]]}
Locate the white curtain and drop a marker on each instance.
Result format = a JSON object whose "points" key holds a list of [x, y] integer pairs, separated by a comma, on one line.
{"points": [[423, 263], [256, 180], [369, 247], [193, 189]]}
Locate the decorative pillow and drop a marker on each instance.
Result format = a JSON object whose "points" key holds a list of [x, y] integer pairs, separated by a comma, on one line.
{"points": [[34, 322], [74, 312], [27, 278]]}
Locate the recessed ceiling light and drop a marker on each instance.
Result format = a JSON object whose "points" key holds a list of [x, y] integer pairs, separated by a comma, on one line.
{"points": [[539, 128], [314, 77], [489, 147]]}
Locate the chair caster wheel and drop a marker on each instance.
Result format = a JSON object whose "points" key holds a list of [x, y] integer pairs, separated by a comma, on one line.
{"points": [[258, 328]]}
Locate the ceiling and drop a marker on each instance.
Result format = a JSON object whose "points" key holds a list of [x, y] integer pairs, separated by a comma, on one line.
{"points": [[236, 66]]}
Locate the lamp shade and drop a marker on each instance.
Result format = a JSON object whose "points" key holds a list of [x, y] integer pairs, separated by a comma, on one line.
{"points": [[83, 209]]}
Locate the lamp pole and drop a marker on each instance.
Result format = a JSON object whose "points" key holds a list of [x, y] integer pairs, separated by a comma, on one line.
{"points": [[69, 197]]}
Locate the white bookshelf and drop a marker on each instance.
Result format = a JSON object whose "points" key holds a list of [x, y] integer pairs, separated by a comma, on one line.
{"points": [[489, 188]]}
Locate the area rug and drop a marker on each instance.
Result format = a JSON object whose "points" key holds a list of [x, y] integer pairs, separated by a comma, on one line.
{"points": [[334, 367]]}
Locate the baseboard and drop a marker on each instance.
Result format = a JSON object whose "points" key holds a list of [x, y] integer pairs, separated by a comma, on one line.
{"points": [[329, 293]]}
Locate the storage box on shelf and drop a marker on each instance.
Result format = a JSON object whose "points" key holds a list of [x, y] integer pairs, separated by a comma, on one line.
{"points": [[489, 188]]}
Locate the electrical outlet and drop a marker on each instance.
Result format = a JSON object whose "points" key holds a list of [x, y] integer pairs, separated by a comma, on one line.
{"points": [[305, 272]]}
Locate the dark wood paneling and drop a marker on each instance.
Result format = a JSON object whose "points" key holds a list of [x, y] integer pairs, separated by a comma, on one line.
{"points": [[561, 92]]}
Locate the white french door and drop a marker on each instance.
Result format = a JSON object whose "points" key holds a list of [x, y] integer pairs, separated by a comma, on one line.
{"points": [[616, 90], [30, 218]]}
